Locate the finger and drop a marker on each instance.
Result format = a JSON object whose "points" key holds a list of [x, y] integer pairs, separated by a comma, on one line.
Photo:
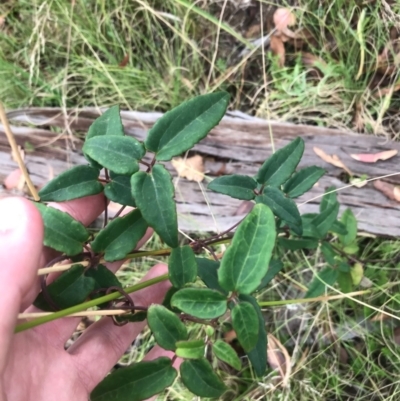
{"points": [[21, 238], [102, 344]]}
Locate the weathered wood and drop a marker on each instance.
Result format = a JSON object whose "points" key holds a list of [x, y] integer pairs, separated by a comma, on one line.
{"points": [[239, 144]]}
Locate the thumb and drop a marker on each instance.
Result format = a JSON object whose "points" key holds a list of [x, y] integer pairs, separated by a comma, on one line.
{"points": [[21, 236]]}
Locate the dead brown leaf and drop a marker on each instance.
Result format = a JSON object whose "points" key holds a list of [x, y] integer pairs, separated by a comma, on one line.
{"points": [[374, 157], [278, 49], [124, 61], [310, 60], [283, 18], [386, 91], [191, 168], [334, 160], [253, 31], [278, 358], [389, 190], [2, 20]]}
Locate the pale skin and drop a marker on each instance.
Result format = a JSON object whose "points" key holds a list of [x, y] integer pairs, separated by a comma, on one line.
{"points": [[33, 364]]}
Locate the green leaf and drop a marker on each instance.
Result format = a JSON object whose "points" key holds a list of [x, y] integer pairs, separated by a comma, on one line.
{"points": [[109, 123], [207, 270], [119, 154], [350, 222], [330, 255], [69, 289], [182, 266], [76, 182], [246, 261], [166, 326], [324, 221], [227, 354], [328, 276], [167, 299], [119, 190], [61, 231], [302, 181], [339, 228], [282, 207], [280, 166], [245, 324], [236, 186], [274, 268], [193, 349], [329, 199], [104, 278], [202, 303], [137, 382], [345, 282], [258, 355], [296, 244], [357, 273], [181, 128], [198, 376], [309, 228], [120, 236], [154, 193]]}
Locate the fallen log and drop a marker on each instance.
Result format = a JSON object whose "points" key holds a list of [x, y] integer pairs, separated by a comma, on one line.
{"points": [[239, 144]]}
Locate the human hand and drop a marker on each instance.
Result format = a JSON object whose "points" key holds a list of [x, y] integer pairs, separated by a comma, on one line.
{"points": [[34, 364]]}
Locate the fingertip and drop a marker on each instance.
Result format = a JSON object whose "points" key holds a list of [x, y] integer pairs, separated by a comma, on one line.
{"points": [[85, 210], [19, 216]]}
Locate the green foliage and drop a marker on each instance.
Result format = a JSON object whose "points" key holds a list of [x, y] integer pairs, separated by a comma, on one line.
{"points": [[166, 326], [119, 154], [154, 193], [137, 382], [198, 376], [270, 233], [182, 266], [350, 222], [109, 123], [227, 354], [274, 268], [71, 288], [61, 231], [181, 128], [302, 181], [281, 165], [202, 303], [75, 183], [327, 276], [246, 261], [245, 324], [236, 186], [120, 236], [194, 349], [282, 207], [207, 270], [119, 190], [258, 356]]}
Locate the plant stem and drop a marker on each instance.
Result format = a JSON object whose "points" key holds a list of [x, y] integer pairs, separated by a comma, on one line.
{"points": [[315, 299], [17, 154], [86, 305], [104, 312]]}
